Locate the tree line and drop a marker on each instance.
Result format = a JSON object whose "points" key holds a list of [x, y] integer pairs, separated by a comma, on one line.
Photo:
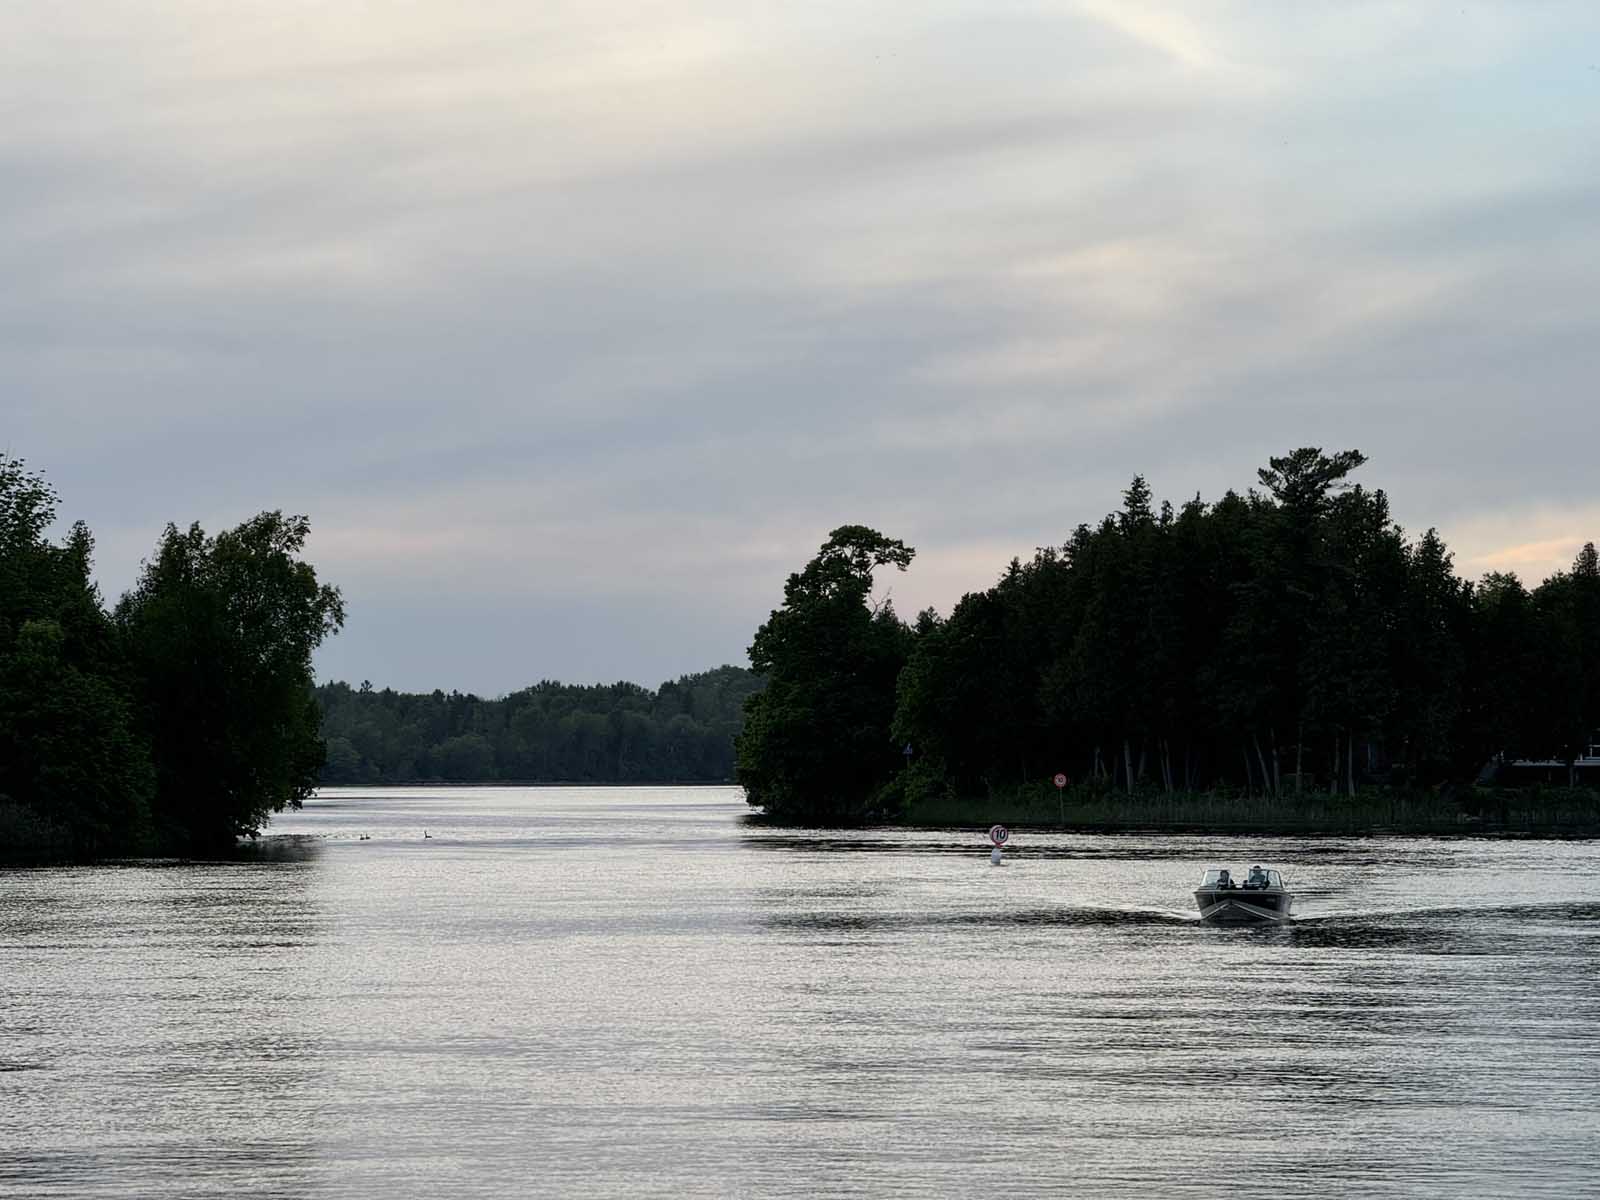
{"points": [[1287, 639], [550, 732], [178, 719]]}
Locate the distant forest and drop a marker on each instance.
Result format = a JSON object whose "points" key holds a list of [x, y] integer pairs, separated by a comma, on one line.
{"points": [[1288, 640], [549, 733]]}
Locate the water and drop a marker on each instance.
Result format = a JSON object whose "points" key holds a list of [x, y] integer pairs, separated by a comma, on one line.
{"points": [[592, 992]]}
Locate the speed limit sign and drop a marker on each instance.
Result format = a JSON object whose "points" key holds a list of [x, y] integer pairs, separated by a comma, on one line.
{"points": [[999, 835], [1061, 780]]}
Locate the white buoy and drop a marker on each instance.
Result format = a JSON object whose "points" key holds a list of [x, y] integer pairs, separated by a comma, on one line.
{"points": [[995, 857]]}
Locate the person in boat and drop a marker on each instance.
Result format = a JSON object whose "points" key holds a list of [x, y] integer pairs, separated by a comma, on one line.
{"points": [[1224, 880], [1257, 879]]}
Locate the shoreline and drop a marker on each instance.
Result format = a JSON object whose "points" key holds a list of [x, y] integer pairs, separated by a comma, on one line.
{"points": [[537, 783], [1512, 814], [1480, 812], [1577, 833]]}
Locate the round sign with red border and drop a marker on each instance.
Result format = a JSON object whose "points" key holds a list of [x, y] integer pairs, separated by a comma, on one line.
{"points": [[999, 835], [1061, 780]]}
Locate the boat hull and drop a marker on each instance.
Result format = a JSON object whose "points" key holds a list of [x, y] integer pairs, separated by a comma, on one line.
{"points": [[1242, 906]]}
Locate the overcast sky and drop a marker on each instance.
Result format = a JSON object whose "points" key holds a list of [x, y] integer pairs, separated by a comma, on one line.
{"points": [[575, 327]]}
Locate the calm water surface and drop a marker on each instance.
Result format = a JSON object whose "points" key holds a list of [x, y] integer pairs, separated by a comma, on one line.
{"points": [[603, 992]]}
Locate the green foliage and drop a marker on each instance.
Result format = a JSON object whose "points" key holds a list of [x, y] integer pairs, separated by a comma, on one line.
{"points": [[75, 770], [816, 745], [618, 733], [186, 719], [1304, 482], [1289, 645], [69, 747], [220, 632], [1562, 697], [26, 836]]}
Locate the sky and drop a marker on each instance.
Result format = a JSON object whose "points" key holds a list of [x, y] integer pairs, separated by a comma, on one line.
{"points": [[576, 327]]}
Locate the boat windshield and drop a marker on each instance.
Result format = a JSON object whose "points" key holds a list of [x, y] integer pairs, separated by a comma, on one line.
{"points": [[1213, 876]]}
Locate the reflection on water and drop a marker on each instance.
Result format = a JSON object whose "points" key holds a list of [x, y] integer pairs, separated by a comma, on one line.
{"points": [[151, 1011], [588, 992], [282, 848]]}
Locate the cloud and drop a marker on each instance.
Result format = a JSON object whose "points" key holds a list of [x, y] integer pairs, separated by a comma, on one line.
{"points": [[618, 310]]}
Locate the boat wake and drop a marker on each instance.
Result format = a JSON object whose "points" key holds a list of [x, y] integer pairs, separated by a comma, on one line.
{"points": [[1068, 916], [1553, 910]]}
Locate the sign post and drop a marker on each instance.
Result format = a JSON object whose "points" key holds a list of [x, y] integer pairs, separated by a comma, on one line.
{"points": [[1061, 796], [999, 835]]}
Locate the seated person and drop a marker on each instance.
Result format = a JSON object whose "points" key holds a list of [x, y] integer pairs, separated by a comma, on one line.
{"points": [[1258, 878], [1224, 880]]}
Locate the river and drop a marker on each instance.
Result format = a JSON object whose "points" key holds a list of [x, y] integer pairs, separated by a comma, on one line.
{"points": [[607, 992]]}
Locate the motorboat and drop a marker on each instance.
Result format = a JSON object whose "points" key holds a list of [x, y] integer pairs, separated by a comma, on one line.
{"points": [[1260, 898]]}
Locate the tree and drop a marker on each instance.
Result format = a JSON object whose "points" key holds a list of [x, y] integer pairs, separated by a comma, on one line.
{"points": [[465, 758], [960, 699], [220, 632], [72, 759], [1301, 616], [816, 744], [1504, 685], [1428, 654], [27, 507], [1568, 634], [68, 747], [1305, 481]]}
